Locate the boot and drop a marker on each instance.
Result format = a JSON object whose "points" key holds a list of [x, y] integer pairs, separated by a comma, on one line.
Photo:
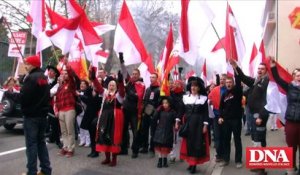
{"points": [[159, 163], [94, 154], [165, 162], [114, 160], [193, 169], [107, 159]]}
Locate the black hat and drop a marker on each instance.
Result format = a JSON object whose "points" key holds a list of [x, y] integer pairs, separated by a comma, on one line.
{"points": [[199, 82], [54, 69]]}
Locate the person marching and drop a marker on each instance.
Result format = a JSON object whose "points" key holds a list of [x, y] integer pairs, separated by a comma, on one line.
{"points": [[132, 108], [257, 99], [53, 75], [151, 102], [231, 118], [82, 93], [195, 145], [93, 101], [111, 121], [164, 118], [292, 114], [65, 104], [34, 98]]}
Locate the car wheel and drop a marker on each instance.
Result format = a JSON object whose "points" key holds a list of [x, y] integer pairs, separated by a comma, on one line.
{"points": [[9, 126], [8, 106]]}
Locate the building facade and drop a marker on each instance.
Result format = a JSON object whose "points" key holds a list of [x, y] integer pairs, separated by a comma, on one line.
{"points": [[281, 38]]}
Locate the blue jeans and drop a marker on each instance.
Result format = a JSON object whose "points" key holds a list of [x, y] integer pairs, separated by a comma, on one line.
{"points": [[258, 133], [218, 136], [34, 130]]}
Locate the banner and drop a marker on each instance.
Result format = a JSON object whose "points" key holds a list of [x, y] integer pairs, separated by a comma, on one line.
{"points": [[20, 39]]}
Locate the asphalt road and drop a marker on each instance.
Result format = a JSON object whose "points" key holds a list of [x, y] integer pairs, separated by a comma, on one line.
{"points": [[13, 160]]}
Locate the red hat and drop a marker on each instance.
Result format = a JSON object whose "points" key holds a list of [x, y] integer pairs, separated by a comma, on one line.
{"points": [[33, 60]]}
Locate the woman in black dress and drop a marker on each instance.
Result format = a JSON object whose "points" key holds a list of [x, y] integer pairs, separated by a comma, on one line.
{"points": [[110, 122], [195, 146]]}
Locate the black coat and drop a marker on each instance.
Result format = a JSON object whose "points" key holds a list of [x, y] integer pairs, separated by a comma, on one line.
{"points": [[165, 121], [93, 105], [231, 102], [34, 95], [257, 95], [152, 96], [293, 97]]}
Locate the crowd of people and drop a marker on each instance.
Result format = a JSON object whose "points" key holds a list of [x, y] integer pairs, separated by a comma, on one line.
{"points": [[103, 108]]}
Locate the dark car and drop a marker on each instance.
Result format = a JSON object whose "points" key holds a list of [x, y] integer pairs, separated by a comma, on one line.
{"points": [[10, 112]]}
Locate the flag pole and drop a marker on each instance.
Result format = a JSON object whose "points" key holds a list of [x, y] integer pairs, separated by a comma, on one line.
{"points": [[213, 26], [14, 65], [4, 20]]}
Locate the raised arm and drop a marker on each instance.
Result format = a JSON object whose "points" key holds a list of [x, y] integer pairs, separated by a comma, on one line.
{"points": [[123, 68], [98, 88], [284, 85], [249, 81]]}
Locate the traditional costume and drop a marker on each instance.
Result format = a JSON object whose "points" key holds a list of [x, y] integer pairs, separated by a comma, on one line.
{"points": [[195, 147], [110, 125]]}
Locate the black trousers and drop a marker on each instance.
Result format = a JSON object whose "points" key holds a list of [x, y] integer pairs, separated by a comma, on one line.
{"points": [[92, 131], [147, 124], [130, 118], [232, 126], [54, 129]]}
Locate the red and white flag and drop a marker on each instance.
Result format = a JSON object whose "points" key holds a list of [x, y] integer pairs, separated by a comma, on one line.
{"points": [[218, 50], [102, 28], [63, 36], [164, 58], [276, 96], [196, 17], [234, 43], [173, 61], [219, 45], [103, 55], [127, 39], [37, 18], [55, 18], [88, 34], [255, 60], [146, 68]]}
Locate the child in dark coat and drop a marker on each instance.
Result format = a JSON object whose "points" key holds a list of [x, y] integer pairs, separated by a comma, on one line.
{"points": [[164, 121]]}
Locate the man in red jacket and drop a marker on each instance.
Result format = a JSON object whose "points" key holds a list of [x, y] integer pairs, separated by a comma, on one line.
{"points": [[65, 104]]}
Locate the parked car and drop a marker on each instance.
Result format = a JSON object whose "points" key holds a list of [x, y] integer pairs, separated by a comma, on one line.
{"points": [[10, 112]]}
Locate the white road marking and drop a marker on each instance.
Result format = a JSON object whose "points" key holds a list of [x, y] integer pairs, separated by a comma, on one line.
{"points": [[12, 151]]}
